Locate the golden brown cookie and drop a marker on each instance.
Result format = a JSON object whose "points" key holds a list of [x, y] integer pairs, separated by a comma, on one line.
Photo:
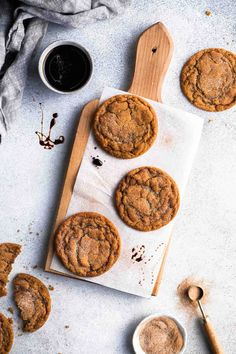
{"points": [[33, 300], [125, 126], [8, 254], [208, 79], [147, 198], [6, 334], [88, 244]]}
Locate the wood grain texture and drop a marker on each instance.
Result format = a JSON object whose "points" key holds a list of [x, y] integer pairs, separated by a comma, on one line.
{"points": [[212, 337], [154, 51], [153, 56], [76, 156]]}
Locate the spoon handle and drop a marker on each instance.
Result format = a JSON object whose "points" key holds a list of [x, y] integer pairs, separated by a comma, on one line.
{"points": [[214, 342]]}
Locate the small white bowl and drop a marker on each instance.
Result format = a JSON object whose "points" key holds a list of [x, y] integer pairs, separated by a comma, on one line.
{"points": [[45, 53], [136, 343]]}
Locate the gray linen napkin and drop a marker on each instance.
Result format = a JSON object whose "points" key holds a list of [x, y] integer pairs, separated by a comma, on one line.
{"points": [[22, 25]]}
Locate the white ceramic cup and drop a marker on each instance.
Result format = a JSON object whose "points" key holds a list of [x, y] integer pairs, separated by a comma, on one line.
{"points": [[44, 55], [136, 342]]}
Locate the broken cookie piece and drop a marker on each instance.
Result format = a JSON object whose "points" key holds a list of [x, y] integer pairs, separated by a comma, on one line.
{"points": [[33, 300], [8, 254], [6, 334]]}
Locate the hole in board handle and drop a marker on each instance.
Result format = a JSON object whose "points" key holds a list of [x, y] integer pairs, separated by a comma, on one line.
{"points": [[154, 49]]}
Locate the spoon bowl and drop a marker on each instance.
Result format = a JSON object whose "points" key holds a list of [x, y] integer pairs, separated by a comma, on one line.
{"points": [[195, 293]]}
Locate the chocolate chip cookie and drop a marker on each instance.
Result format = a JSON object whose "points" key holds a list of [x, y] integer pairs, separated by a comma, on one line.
{"points": [[6, 334], [147, 198], [8, 254], [33, 300], [208, 79], [88, 244], [125, 126]]}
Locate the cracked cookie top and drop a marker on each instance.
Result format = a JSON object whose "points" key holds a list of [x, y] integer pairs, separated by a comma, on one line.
{"points": [[208, 79], [125, 126], [8, 254], [88, 244], [33, 300], [6, 334], [147, 198]]}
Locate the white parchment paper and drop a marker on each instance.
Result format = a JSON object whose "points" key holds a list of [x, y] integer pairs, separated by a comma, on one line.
{"points": [[142, 252]]}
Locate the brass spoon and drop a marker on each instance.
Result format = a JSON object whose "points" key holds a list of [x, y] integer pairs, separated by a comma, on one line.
{"points": [[195, 294]]}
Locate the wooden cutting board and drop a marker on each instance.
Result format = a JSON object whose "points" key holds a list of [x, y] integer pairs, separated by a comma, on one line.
{"points": [[154, 52]]}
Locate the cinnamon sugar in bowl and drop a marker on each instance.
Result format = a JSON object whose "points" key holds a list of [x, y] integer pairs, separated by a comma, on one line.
{"points": [[159, 335]]}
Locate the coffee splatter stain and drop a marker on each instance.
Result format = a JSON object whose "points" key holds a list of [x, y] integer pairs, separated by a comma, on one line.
{"points": [[45, 140], [138, 253], [155, 251], [96, 161], [142, 277], [152, 281], [138, 256]]}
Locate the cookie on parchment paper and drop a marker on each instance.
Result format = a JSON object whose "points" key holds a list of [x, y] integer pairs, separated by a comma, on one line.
{"points": [[147, 198], [88, 244], [125, 126], [208, 79]]}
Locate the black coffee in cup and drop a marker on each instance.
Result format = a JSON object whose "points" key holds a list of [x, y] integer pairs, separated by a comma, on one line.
{"points": [[67, 67]]}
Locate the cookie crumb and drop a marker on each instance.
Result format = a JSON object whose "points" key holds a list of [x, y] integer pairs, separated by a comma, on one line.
{"points": [[208, 13], [66, 326], [11, 310], [50, 287], [18, 230], [35, 266]]}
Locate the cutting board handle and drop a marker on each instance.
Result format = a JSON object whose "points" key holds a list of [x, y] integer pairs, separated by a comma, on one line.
{"points": [[153, 56]]}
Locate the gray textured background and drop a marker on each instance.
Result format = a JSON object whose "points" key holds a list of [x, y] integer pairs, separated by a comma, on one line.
{"points": [[101, 320]]}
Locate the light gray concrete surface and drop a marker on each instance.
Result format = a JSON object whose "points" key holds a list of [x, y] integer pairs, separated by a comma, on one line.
{"points": [[100, 320]]}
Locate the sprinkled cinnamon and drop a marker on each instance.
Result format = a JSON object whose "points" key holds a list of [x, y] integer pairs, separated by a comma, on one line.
{"points": [[182, 293]]}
